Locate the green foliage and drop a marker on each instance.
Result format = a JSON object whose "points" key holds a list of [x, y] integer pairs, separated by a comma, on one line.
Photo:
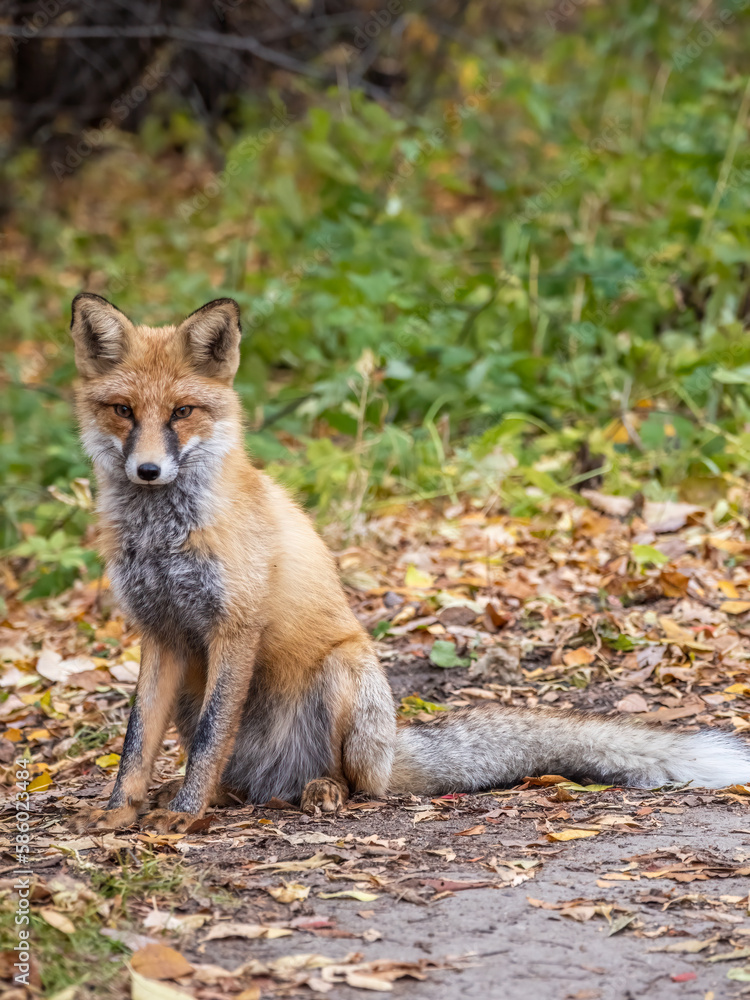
{"points": [[450, 301], [443, 654]]}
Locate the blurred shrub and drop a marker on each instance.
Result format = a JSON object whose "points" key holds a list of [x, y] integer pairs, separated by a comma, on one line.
{"points": [[536, 283]]}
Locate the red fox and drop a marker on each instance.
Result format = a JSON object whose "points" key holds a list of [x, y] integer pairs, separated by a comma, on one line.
{"points": [[249, 645]]}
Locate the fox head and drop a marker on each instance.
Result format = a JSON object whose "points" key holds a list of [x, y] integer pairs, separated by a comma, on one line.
{"points": [[154, 402]]}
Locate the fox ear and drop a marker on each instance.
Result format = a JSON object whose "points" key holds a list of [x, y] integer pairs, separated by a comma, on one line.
{"points": [[213, 334], [100, 333]]}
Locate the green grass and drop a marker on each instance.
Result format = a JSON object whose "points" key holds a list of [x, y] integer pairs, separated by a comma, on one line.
{"points": [[87, 959]]}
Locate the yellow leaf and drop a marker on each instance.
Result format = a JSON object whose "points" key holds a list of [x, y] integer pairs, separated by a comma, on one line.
{"points": [[735, 607], [13, 734], [132, 653], [417, 579], [739, 688], [108, 760], [40, 783], [112, 630], [728, 589], [38, 734], [363, 897], [571, 834], [617, 433], [674, 632]]}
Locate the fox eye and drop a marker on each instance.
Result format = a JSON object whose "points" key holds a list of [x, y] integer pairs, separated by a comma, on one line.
{"points": [[123, 411], [181, 412]]}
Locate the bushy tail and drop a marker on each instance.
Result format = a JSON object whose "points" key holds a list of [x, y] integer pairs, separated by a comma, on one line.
{"points": [[490, 746]]}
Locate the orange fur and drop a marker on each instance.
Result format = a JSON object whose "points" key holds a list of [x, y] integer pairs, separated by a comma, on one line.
{"points": [[285, 626]]}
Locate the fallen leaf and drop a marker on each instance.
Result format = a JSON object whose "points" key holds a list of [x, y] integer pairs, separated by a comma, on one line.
{"points": [[633, 702], [316, 861], [173, 922], [248, 931], [612, 505], [443, 654], [730, 956], [52, 666], [363, 897], [734, 607], [41, 783], [666, 516], [580, 657], [417, 579], [290, 892], [473, 831], [57, 920], [130, 939], [690, 946], [158, 961], [108, 760], [571, 834], [142, 988], [450, 885], [126, 673]]}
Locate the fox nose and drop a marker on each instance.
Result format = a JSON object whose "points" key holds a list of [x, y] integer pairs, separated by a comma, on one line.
{"points": [[148, 471]]}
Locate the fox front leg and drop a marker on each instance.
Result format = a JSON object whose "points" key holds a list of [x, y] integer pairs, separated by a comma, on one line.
{"points": [[230, 669], [155, 697]]}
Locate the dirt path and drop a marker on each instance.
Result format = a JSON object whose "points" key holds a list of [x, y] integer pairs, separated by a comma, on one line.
{"points": [[520, 950]]}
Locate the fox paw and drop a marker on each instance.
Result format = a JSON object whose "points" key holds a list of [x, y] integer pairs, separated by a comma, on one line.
{"points": [[104, 819], [167, 821], [166, 793], [321, 795]]}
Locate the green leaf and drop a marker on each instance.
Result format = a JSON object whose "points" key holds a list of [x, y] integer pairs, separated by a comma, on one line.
{"points": [[644, 554], [443, 654]]}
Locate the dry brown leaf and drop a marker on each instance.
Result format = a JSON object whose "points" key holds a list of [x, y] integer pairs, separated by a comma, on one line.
{"points": [[580, 657], [289, 892], [632, 703], [158, 961], [248, 931]]}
